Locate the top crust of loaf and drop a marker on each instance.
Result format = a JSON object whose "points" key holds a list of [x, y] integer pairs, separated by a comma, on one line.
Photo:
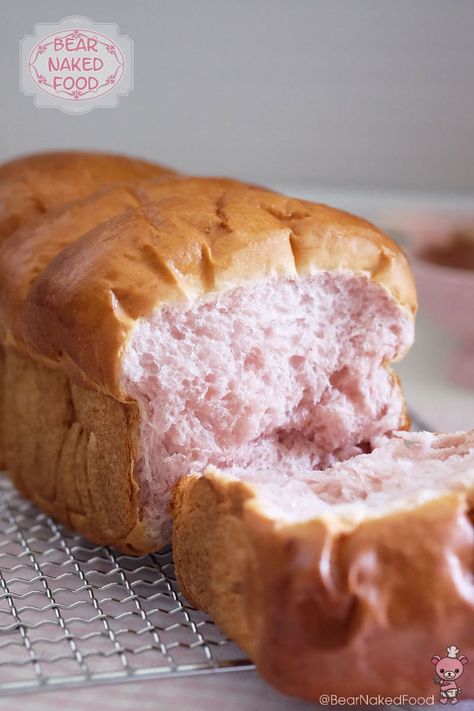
{"points": [[207, 236], [25, 253], [35, 184]]}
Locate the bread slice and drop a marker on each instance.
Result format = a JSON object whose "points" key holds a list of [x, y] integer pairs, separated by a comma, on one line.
{"points": [[226, 324], [34, 185], [345, 581]]}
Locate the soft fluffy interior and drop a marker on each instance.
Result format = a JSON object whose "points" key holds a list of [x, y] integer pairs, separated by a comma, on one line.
{"points": [[285, 376], [408, 469]]}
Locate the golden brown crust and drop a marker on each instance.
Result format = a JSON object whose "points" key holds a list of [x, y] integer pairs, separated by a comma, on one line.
{"points": [[72, 452], [81, 309], [34, 184], [25, 253], [323, 610], [213, 554]]}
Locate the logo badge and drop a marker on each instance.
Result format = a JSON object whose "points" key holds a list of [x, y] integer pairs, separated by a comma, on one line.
{"points": [[448, 670], [76, 65]]}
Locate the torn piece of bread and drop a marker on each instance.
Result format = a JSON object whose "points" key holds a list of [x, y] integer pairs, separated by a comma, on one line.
{"points": [[224, 325], [344, 581]]}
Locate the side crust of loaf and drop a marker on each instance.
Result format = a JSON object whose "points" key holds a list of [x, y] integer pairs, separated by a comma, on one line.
{"points": [[323, 610], [72, 452]]}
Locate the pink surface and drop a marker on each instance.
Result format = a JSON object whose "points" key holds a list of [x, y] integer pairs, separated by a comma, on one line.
{"points": [[284, 375], [408, 466]]}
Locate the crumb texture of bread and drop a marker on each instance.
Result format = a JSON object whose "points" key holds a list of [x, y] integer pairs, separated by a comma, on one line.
{"points": [[282, 376]]}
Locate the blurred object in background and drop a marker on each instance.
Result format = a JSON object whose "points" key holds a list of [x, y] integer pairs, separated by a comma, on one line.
{"points": [[320, 92], [442, 254], [456, 252]]}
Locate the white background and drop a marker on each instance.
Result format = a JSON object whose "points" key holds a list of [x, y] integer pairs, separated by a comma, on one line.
{"points": [[332, 92]]}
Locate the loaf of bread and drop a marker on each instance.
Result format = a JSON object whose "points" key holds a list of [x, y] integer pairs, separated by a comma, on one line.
{"points": [[217, 324], [233, 346], [33, 186], [342, 582]]}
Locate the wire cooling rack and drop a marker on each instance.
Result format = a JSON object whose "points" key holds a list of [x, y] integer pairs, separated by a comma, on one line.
{"points": [[74, 614]]}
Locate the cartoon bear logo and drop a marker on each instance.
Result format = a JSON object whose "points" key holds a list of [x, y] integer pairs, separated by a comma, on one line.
{"points": [[448, 671]]}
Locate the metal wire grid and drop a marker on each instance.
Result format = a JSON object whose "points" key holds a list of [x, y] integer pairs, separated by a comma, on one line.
{"points": [[74, 614]]}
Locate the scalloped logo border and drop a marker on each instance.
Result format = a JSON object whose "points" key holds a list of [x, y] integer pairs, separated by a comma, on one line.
{"points": [[76, 65]]}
